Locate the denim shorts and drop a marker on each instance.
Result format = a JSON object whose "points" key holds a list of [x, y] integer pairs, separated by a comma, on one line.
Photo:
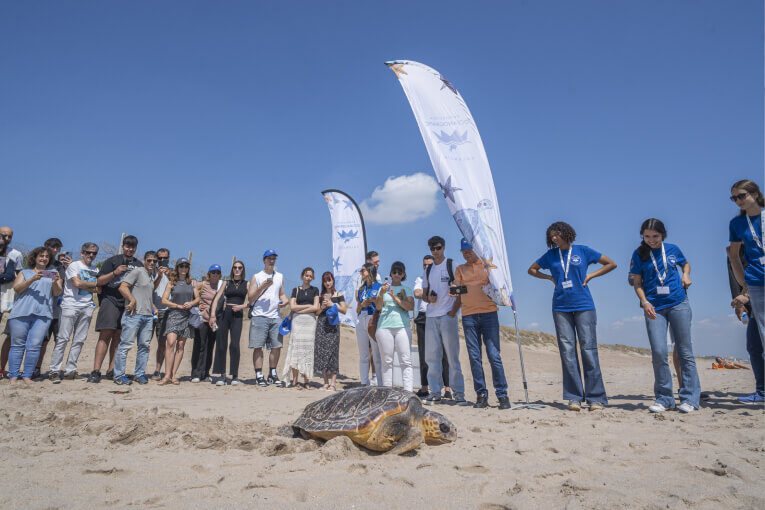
{"points": [[264, 332]]}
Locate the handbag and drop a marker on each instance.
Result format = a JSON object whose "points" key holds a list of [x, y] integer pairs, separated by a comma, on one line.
{"points": [[195, 317], [372, 326]]}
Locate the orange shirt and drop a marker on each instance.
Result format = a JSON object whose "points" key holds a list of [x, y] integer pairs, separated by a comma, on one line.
{"points": [[474, 277]]}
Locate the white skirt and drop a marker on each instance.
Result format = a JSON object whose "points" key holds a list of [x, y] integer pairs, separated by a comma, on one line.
{"points": [[301, 345]]}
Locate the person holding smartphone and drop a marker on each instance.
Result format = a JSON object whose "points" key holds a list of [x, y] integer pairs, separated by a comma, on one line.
{"points": [[204, 342], [326, 356], [32, 312], [366, 297], [662, 292], [161, 279]]}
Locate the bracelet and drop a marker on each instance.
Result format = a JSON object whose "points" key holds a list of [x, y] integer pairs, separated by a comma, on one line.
{"points": [[644, 303]]}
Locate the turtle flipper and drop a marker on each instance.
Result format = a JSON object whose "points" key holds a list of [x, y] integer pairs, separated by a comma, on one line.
{"points": [[408, 441]]}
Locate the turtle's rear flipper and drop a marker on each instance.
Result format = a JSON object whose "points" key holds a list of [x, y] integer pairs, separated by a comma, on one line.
{"points": [[291, 431], [408, 441]]}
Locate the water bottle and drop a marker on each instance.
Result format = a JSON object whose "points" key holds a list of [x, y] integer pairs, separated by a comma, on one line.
{"points": [[744, 318]]}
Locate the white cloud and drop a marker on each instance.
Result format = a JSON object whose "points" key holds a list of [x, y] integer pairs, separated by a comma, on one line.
{"points": [[621, 322], [533, 325], [402, 199]]}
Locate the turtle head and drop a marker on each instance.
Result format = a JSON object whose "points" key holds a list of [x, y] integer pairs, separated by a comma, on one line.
{"points": [[437, 429]]}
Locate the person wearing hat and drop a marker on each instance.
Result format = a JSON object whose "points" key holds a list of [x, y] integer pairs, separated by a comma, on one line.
{"points": [[327, 345], [179, 297], [393, 334], [267, 295], [480, 322], [204, 340]]}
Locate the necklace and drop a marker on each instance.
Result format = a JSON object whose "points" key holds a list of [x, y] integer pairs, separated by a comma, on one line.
{"points": [[237, 283]]}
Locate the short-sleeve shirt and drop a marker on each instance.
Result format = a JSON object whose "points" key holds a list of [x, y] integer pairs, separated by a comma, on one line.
{"points": [[740, 233], [17, 258], [110, 291], [474, 277], [368, 291], [575, 298], [305, 296], [267, 304], [645, 268], [392, 315], [74, 298], [160, 290], [438, 282], [142, 288]]}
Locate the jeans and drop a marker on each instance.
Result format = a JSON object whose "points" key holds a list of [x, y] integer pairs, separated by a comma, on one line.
{"points": [[367, 343], [757, 302], [486, 326], [678, 318], [27, 334], [754, 348], [75, 320], [134, 326], [398, 340], [441, 338], [581, 325], [420, 323], [202, 353]]}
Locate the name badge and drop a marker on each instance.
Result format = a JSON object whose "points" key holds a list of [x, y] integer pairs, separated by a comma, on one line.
{"points": [[762, 260], [662, 290], [566, 284]]}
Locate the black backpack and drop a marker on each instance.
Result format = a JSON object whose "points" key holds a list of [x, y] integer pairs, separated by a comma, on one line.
{"points": [[449, 269]]}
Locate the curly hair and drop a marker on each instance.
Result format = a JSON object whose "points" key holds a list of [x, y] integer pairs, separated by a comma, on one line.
{"points": [[32, 257], [566, 232]]}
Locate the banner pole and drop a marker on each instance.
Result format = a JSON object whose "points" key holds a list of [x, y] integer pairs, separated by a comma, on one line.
{"points": [[527, 405]]}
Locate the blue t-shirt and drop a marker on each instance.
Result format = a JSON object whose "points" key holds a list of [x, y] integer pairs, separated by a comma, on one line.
{"points": [[576, 298], [645, 269], [37, 300], [740, 233], [368, 292]]}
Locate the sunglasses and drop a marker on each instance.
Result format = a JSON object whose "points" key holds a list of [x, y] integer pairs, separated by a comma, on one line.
{"points": [[94, 253], [183, 265], [151, 261], [740, 196], [214, 272], [397, 271], [238, 268], [436, 248], [164, 258]]}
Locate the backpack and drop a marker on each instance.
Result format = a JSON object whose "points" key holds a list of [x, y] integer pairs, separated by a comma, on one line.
{"points": [[449, 269]]}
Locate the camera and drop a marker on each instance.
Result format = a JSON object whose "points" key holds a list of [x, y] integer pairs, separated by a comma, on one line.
{"points": [[456, 290]]}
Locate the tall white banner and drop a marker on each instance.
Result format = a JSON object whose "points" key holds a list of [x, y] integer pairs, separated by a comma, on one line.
{"points": [[349, 248], [462, 169]]}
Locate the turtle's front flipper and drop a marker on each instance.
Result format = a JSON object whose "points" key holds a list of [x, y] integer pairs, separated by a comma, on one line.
{"points": [[408, 441]]}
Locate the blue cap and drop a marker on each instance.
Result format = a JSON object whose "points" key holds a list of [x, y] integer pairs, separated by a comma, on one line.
{"points": [[268, 253], [215, 267], [286, 326], [465, 245], [333, 315]]}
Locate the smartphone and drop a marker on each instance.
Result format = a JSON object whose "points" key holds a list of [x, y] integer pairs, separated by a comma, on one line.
{"points": [[457, 290], [46, 273], [64, 254], [164, 263], [387, 280]]}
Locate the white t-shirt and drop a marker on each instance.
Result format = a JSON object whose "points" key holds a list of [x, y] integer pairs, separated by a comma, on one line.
{"points": [[74, 297], [18, 259], [267, 304], [160, 291], [439, 283], [419, 305]]}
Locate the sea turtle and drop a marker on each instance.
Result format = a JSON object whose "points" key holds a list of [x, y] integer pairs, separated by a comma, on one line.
{"points": [[379, 418]]}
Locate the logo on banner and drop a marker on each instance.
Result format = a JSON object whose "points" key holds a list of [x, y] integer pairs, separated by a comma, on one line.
{"points": [[451, 140], [448, 190], [348, 235], [446, 84]]}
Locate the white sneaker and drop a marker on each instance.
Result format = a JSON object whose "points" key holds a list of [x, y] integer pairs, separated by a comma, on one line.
{"points": [[209, 379], [373, 382], [220, 382], [685, 407], [195, 380], [235, 382], [657, 408]]}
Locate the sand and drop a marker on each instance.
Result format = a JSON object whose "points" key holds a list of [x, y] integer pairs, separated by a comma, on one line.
{"points": [[199, 446]]}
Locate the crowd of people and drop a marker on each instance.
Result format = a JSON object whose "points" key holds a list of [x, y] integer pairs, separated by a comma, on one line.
{"points": [[48, 295]]}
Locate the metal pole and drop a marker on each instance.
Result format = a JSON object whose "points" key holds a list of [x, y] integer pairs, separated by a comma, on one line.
{"points": [[527, 405]]}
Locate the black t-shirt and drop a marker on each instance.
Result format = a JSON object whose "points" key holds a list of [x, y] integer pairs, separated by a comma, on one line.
{"points": [[111, 290], [304, 296]]}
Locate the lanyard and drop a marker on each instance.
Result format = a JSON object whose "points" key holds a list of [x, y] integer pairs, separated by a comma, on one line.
{"points": [[655, 266], [756, 238], [568, 261]]}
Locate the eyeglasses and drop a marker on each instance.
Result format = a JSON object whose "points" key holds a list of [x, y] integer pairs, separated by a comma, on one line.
{"points": [[436, 248], [151, 261], [740, 196], [94, 253]]}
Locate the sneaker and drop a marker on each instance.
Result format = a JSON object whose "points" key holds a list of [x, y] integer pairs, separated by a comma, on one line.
{"points": [[208, 379], [155, 376], [71, 376], [481, 402], [657, 408], [36, 374], [221, 382], [596, 406], [261, 382], [447, 395], [686, 408], [195, 380], [574, 405], [422, 392], [272, 379], [110, 374], [753, 398], [235, 382], [123, 380], [141, 379], [55, 377], [504, 403], [460, 400], [94, 377], [373, 382], [433, 399]]}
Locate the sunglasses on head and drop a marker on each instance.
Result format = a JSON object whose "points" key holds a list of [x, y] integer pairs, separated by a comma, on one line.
{"points": [[436, 248], [740, 196]]}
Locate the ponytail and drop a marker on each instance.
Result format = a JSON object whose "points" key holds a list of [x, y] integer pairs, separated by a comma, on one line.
{"points": [[751, 188], [644, 250]]}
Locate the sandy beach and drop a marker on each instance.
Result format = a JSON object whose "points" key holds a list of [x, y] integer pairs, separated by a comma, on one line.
{"points": [[200, 446]]}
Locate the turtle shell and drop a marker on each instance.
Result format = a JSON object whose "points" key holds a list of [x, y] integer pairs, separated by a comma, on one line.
{"points": [[353, 410]]}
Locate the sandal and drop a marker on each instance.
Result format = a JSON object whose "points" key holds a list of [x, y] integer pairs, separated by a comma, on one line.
{"points": [[299, 386], [175, 381], [332, 387], [325, 387], [163, 382]]}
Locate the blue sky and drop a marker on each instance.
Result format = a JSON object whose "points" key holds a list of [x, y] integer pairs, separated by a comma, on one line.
{"points": [[212, 127]]}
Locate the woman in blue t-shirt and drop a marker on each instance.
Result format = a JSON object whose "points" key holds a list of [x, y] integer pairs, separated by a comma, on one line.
{"points": [[395, 301], [746, 229], [661, 290], [574, 312], [366, 296]]}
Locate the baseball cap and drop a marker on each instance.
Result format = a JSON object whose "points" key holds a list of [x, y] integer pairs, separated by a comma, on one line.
{"points": [[182, 260], [214, 267], [268, 253], [465, 245]]}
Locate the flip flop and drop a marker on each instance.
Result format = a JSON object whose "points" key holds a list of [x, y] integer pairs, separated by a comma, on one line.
{"points": [[176, 381], [163, 382], [299, 386], [326, 387], [332, 387]]}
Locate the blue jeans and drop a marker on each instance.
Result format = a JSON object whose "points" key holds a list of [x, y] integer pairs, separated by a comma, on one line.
{"points": [[757, 302], [27, 334], [441, 338], [581, 325], [484, 325], [134, 326], [678, 318], [754, 348]]}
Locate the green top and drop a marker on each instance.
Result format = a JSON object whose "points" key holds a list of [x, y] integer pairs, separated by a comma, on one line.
{"points": [[392, 315]]}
